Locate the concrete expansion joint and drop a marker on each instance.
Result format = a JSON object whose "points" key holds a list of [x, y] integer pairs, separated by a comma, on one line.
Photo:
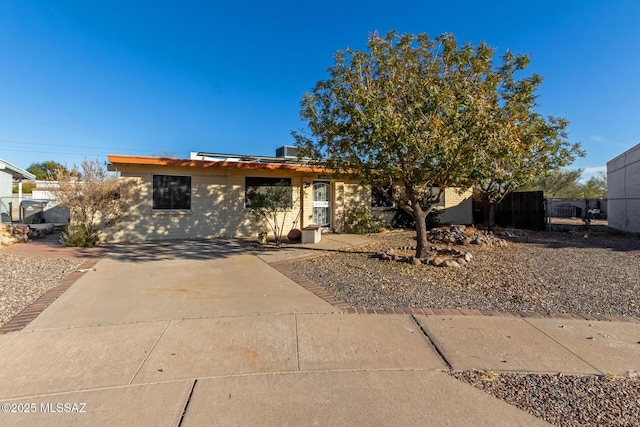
{"points": [[489, 313], [148, 353], [565, 347], [431, 342], [186, 403]]}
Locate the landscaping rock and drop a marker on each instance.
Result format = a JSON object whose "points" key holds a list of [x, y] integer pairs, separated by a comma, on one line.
{"points": [[437, 262]]}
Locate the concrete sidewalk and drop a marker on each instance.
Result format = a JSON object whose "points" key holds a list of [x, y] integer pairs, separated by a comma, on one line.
{"points": [[207, 333]]}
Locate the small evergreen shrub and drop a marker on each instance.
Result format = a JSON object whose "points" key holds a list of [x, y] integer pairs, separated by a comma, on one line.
{"points": [[360, 220], [80, 235]]}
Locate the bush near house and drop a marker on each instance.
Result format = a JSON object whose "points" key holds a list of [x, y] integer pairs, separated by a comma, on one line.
{"points": [[96, 198], [271, 204], [360, 220]]}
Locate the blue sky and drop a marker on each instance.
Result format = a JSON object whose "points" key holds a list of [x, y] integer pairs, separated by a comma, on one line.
{"points": [[86, 79]]}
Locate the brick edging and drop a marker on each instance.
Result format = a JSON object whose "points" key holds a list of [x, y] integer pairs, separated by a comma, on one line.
{"points": [[347, 308], [33, 310]]}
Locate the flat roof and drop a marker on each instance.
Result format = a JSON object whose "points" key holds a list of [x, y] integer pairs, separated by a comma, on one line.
{"points": [[16, 172]]}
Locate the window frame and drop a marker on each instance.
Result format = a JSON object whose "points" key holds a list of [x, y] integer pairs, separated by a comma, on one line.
{"points": [[376, 198], [267, 181], [179, 207]]}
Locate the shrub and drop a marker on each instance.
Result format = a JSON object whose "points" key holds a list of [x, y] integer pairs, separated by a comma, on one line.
{"points": [[96, 198], [80, 235], [272, 205], [360, 220]]}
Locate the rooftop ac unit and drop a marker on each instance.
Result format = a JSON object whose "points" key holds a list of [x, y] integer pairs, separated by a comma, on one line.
{"points": [[287, 151]]}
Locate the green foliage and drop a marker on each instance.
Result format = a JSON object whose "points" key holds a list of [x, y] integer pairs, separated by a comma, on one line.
{"points": [[595, 187], [272, 204], [80, 235], [430, 114], [360, 220], [401, 219], [27, 187], [46, 171], [565, 184], [558, 183]]}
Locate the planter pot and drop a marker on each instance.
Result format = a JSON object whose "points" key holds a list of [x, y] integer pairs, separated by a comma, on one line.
{"points": [[294, 235]]}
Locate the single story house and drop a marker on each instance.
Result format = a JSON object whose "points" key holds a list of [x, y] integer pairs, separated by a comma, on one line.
{"points": [[623, 187], [209, 194], [8, 175]]}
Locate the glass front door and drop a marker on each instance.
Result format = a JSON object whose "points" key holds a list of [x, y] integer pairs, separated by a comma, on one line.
{"points": [[321, 204]]}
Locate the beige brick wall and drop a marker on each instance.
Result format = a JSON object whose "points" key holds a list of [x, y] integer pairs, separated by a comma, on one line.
{"points": [[348, 195], [457, 206], [217, 205]]}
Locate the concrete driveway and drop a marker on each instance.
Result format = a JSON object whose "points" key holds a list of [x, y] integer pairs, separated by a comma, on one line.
{"points": [[207, 333], [137, 283]]}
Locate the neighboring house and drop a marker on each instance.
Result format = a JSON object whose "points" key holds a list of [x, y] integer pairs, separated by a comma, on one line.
{"points": [[623, 187], [8, 175], [208, 196]]}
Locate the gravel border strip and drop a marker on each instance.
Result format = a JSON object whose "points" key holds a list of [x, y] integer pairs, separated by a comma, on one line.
{"points": [[328, 297], [33, 310]]}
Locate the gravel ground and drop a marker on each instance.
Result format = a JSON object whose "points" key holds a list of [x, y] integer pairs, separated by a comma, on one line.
{"points": [[565, 400], [553, 272], [23, 279], [546, 272]]}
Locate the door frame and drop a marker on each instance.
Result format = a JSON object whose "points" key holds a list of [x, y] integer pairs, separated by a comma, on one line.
{"points": [[329, 204]]}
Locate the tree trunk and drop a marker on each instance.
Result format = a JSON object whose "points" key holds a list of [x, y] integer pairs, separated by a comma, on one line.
{"points": [[422, 243], [492, 216]]}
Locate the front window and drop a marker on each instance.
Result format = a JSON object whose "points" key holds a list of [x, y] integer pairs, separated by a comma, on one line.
{"points": [[379, 199], [256, 188], [171, 192]]}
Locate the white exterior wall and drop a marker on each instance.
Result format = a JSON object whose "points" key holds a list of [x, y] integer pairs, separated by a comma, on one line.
{"points": [[6, 184], [623, 187], [6, 196]]}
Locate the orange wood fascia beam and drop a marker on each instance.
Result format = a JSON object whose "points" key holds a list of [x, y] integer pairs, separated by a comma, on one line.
{"points": [[117, 159]]}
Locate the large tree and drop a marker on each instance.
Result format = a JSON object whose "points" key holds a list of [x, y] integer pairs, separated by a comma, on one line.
{"points": [[46, 171], [518, 144], [558, 183], [423, 112], [595, 187]]}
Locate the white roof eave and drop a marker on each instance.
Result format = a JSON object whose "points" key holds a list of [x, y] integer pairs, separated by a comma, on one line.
{"points": [[16, 172]]}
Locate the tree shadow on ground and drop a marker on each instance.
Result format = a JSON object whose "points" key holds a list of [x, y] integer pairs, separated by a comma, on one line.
{"points": [[580, 238], [197, 250]]}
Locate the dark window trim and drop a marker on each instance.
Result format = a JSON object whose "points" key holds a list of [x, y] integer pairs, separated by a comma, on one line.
{"points": [[263, 181], [180, 205], [376, 199]]}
